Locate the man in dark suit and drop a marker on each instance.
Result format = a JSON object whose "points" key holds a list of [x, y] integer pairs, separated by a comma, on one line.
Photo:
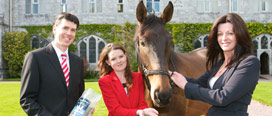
{"points": [[52, 84]]}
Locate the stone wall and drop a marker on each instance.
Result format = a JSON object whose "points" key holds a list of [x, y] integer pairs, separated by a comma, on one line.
{"points": [[185, 11]]}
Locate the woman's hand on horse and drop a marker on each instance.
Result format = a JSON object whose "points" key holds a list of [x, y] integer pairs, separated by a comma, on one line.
{"points": [[178, 79], [148, 112]]}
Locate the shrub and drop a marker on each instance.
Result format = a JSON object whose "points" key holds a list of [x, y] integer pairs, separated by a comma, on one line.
{"points": [[15, 46], [91, 74]]}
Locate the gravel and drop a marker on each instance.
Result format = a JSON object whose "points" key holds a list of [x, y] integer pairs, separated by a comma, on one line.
{"points": [[258, 109]]}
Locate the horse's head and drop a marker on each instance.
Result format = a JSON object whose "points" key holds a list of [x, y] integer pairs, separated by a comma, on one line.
{"points": [[153, 43]]}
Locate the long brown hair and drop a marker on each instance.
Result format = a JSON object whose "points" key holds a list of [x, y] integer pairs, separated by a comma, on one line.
{"points": [[105, 69], [243, 48]]}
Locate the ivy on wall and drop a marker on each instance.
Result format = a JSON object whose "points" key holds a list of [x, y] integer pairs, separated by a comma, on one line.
{"points": [[184, 34]]}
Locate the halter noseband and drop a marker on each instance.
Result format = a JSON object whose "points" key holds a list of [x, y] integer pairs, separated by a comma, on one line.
{"points": [[154, 72]]}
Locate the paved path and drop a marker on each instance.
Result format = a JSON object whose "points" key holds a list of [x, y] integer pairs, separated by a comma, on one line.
{"points": [[258, 109]]}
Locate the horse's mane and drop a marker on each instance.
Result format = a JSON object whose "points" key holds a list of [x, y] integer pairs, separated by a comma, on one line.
{"points": [[149, 23]]}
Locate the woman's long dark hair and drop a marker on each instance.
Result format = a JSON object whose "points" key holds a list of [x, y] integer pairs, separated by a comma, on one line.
{"points": [[105, 69], [243, 48]]}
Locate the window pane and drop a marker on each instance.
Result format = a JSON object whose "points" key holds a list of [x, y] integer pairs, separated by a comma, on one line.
{"points": [[200, 6], [264, 42], [28, 6], [234, 5], [149, 5], [82, 49], [263, 6], [91, 7], [92, 50], [207, 6], [35, 1], [120, 7], [213, 6], [101, 45], [43, 44], [35, 8], [35, 43], [63, 1], [197, 44], [84, 6], [120, 1], [99, 6], [205, 41], [157, 6]]}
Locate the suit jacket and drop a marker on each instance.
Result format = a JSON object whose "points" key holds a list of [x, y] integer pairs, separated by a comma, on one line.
{"points": [[43, 87], [231, 93], [116, 99]]}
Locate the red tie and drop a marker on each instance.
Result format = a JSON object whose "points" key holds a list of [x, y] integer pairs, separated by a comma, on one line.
{"points": [[65, 69]]}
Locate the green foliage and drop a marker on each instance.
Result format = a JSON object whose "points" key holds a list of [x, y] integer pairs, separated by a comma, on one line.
{"points": [[184, 34], [15, 46], [124, 36], [45, 30], [91, 74]]}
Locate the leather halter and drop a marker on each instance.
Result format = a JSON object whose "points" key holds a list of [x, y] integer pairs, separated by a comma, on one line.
{"points": [[154, 72]]}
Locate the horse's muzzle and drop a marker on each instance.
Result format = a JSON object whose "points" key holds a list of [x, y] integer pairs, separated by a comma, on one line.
{"points": [[162, 99]]}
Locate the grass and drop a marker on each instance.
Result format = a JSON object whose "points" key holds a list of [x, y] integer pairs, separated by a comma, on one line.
{"points": [[263, 93], [19, 79], [10, 92], [10, 97]]}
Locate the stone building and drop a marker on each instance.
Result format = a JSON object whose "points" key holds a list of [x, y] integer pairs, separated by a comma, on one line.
{"points": [[16, 13]]}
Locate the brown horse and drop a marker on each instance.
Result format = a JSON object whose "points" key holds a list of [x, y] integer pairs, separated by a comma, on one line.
{"points": [[156, 58]]}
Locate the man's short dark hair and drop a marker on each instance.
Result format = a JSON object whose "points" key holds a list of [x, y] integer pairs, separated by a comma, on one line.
{"points": [[67, 16]]}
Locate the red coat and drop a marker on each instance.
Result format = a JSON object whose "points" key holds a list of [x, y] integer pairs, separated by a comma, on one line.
{"points": [[116, 99]]}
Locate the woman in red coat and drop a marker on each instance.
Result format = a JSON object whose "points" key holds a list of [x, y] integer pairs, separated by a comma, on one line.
{"points": [[122, 90]]}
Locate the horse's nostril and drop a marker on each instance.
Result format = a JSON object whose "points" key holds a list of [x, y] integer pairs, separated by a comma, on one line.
{"points": [[156, 93], [163, 97]]}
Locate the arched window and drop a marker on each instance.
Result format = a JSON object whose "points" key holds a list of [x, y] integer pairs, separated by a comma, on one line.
{"points": [[90, 48], [255, 44], [38, 42], [35, 43], [197, 44], [270, 43], [206, 40], [264, 42], [203, 40]]}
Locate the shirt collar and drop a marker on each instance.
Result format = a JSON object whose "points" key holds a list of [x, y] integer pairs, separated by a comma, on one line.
{"points": [[58, 51]]}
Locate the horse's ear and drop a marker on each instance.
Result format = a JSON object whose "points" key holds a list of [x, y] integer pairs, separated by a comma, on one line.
{"points": [[141, 12], [167, 12]]}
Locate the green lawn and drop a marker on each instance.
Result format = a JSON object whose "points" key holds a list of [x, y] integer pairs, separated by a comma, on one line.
{"points": [[9, 98], [10, 95], [263, 93]]}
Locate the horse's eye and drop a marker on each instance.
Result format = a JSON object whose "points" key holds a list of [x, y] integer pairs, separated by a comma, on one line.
{"points": [[142, 43]]}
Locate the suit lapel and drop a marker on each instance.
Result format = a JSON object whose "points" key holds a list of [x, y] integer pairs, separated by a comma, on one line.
{"points": [[53, 58], [118, 89], [72, 70], [223, 79]]}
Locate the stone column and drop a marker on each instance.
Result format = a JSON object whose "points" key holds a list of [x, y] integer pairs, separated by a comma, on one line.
{"points": [[2, 72]]}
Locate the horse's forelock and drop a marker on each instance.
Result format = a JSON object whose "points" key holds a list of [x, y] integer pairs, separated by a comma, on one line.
{"points": [[150, 22]]}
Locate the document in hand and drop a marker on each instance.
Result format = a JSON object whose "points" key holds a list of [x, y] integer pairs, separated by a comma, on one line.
{"points": [[86, 103]]}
